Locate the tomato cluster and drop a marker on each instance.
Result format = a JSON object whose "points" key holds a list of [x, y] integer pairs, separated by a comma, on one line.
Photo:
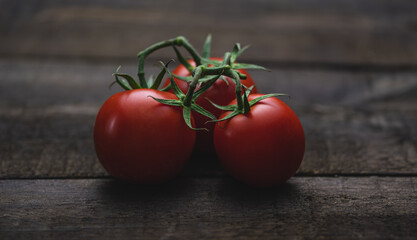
{"points": [[207, 106]]}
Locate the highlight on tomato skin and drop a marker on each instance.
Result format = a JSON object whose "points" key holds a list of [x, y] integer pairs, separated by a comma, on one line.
{"points": [[140, 140], [220, 93], [263, 147]]}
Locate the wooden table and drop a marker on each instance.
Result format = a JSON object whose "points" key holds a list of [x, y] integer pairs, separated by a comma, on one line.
{"points": [[349, 66]]}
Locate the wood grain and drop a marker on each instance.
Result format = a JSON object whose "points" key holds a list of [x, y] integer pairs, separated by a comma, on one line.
{"points": [[373, 32], [220, 208], [350, 67], [355, 122]]}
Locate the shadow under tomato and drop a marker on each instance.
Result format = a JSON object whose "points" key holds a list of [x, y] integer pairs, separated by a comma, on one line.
{"points": [[118, 191], [203, 166], [235, 192]]}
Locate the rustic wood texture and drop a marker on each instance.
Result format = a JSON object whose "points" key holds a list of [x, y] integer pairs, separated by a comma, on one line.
{"points": [[355, 122], [381, 32], [350, 67], [210, 208]]}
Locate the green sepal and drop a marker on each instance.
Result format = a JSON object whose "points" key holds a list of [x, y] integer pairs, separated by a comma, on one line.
{"points": [[207, 61], [129, 83], [170, 102], [242, 50], [248, 89], [183, 78], [183, 61], [241, 75], [246, 105], [190, 78], [123, 83], [227, 59], [234, 53], [161, 75], [224, 108], [234, 108], [186, 113], [150, 80], [224, 80], [208, 78], [132, 83], [205, 86], [249, 66], [174, 86], [202, 111], [256, 100], [207, 47], [229, 116], [166, 89]]}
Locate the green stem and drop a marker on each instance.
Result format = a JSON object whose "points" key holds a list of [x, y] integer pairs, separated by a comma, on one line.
{"points": [[184, 61], [183, 42], [238, 90], [226, 58], [178, 41], [198, 73], [143, 54], [218, 70], [242, 76], [246, 105]]}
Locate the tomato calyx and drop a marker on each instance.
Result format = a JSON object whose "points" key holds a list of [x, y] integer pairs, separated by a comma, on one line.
{"points": [[128, 83], [246, 105], [187, 101], [229, 59]]}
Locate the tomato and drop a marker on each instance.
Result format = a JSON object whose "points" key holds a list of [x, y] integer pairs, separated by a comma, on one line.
{"points": [[220, 93], [140, 140], [264, 147]]}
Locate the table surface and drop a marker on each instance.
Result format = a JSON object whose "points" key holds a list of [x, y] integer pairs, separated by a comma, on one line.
{"points": [[349, 66]]}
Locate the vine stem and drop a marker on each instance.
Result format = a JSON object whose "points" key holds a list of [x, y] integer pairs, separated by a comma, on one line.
{"points": [[236, 76], [238, 90], [178, 41], [198, 73], [226, 70]]}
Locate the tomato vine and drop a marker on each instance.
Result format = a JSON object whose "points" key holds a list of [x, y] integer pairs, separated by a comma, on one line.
{"points": [[127, 131]]}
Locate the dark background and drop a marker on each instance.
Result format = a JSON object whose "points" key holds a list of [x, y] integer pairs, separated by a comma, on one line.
{"points": [[349, 66]]}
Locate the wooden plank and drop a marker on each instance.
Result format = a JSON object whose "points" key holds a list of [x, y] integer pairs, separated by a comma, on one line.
{"points": [[355, 122], [346, 32], [210, 208]]}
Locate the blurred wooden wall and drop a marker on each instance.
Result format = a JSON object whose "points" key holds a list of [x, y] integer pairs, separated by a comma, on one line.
{"points": [[291, 32]]}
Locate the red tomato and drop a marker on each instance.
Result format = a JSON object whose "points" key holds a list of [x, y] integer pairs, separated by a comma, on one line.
{"points": [[220, 93], [264, 147], [138, 139]]}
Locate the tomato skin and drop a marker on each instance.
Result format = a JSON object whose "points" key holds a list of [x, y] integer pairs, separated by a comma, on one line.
{"points": [[140, 140], [264, 147], [220, 93]]}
